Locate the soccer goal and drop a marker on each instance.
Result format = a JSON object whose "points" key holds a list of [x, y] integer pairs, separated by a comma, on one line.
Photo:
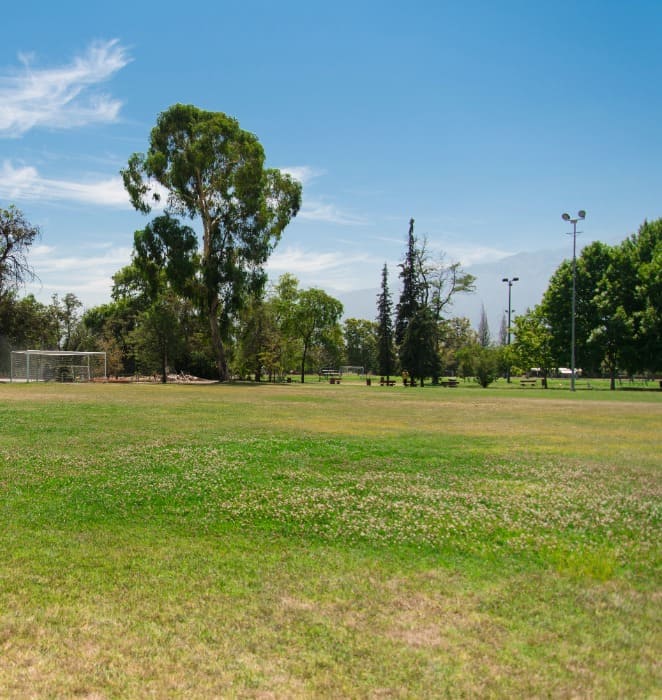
{"points": [[57, 366], [352, 369]]}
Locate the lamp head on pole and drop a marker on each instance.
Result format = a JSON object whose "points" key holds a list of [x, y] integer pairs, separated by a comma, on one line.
{"points": [[581, 214], [565, 217]]}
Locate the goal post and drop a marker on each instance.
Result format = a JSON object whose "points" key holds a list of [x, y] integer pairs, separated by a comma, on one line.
{"points": [[57, 366], [352, 369]]}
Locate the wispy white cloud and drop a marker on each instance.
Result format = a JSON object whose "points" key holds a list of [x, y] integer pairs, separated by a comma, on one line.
{"points": [[88, 277], [47, 259], [471, 254], [303, 173], [296, 261], [339, 270], [25, 183], [61, 97], [316, 210]]}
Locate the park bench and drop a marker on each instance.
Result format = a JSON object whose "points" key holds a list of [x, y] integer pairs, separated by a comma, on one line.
{"points": [[386, 382], [330, 374], [449, 382], [528, 382]]}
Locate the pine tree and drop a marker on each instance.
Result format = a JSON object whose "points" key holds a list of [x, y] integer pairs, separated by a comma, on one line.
{"points": [[411, 287], [418, 353], [385, 350], [484, 336]]}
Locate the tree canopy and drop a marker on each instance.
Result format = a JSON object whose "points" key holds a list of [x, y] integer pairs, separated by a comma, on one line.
{"points": [[618, 316], [312, 318], [209, 168], [17, 234]]}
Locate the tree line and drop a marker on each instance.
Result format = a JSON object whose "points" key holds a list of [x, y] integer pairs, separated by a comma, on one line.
{"points": [[205, 307], [618, 315]]}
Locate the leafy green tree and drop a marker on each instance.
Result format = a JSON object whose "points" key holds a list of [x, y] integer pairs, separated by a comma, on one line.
{"points": [[454, 333], [260, 339], [386, 359], [360, 338], [479, 362], [281, 347], [66, 316], [486, 367], [419, 354], [25, 324], [618, 320], [464, 358], [556, 306], [111, 325], [158, 343], [164, 256], [16, 237], [634, 284], [71, 308], [533, 346], [329, 351], [506, 360], [311, 317], [214, 170], [158, 283]]}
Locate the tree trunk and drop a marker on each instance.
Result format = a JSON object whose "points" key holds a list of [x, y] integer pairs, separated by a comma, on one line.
{"points": [[217, 342], [303, 363]]}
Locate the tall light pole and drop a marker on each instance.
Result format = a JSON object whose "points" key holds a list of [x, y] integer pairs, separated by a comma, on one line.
{"points": [[581, 215], [510, 287]]}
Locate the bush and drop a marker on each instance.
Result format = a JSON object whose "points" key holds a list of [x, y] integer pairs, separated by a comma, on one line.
{"points": [[480, 363]]}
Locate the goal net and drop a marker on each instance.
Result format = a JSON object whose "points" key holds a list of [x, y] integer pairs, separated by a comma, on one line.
{"points": [[57, 366], [351, 369]]}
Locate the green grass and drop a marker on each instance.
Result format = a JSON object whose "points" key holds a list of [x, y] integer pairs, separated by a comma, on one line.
{"points": [[319, 540]]}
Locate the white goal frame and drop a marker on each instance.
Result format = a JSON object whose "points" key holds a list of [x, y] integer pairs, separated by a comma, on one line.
{"points": [[57, 366], [352, 369]]}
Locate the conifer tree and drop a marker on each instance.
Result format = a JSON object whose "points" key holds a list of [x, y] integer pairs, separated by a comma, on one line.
{"points": [[484, 335], [410, 302], [385, 349], [419, 354]]}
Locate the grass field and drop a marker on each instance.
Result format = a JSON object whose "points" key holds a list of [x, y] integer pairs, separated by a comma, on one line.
{"points": [[329, 541]]}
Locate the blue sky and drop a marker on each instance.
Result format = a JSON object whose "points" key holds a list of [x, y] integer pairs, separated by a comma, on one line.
{"points": [[482, 120]]}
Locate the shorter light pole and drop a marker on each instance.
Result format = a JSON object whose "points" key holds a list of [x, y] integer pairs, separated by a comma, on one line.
{"points": [[581, 215], [510, 287]]}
